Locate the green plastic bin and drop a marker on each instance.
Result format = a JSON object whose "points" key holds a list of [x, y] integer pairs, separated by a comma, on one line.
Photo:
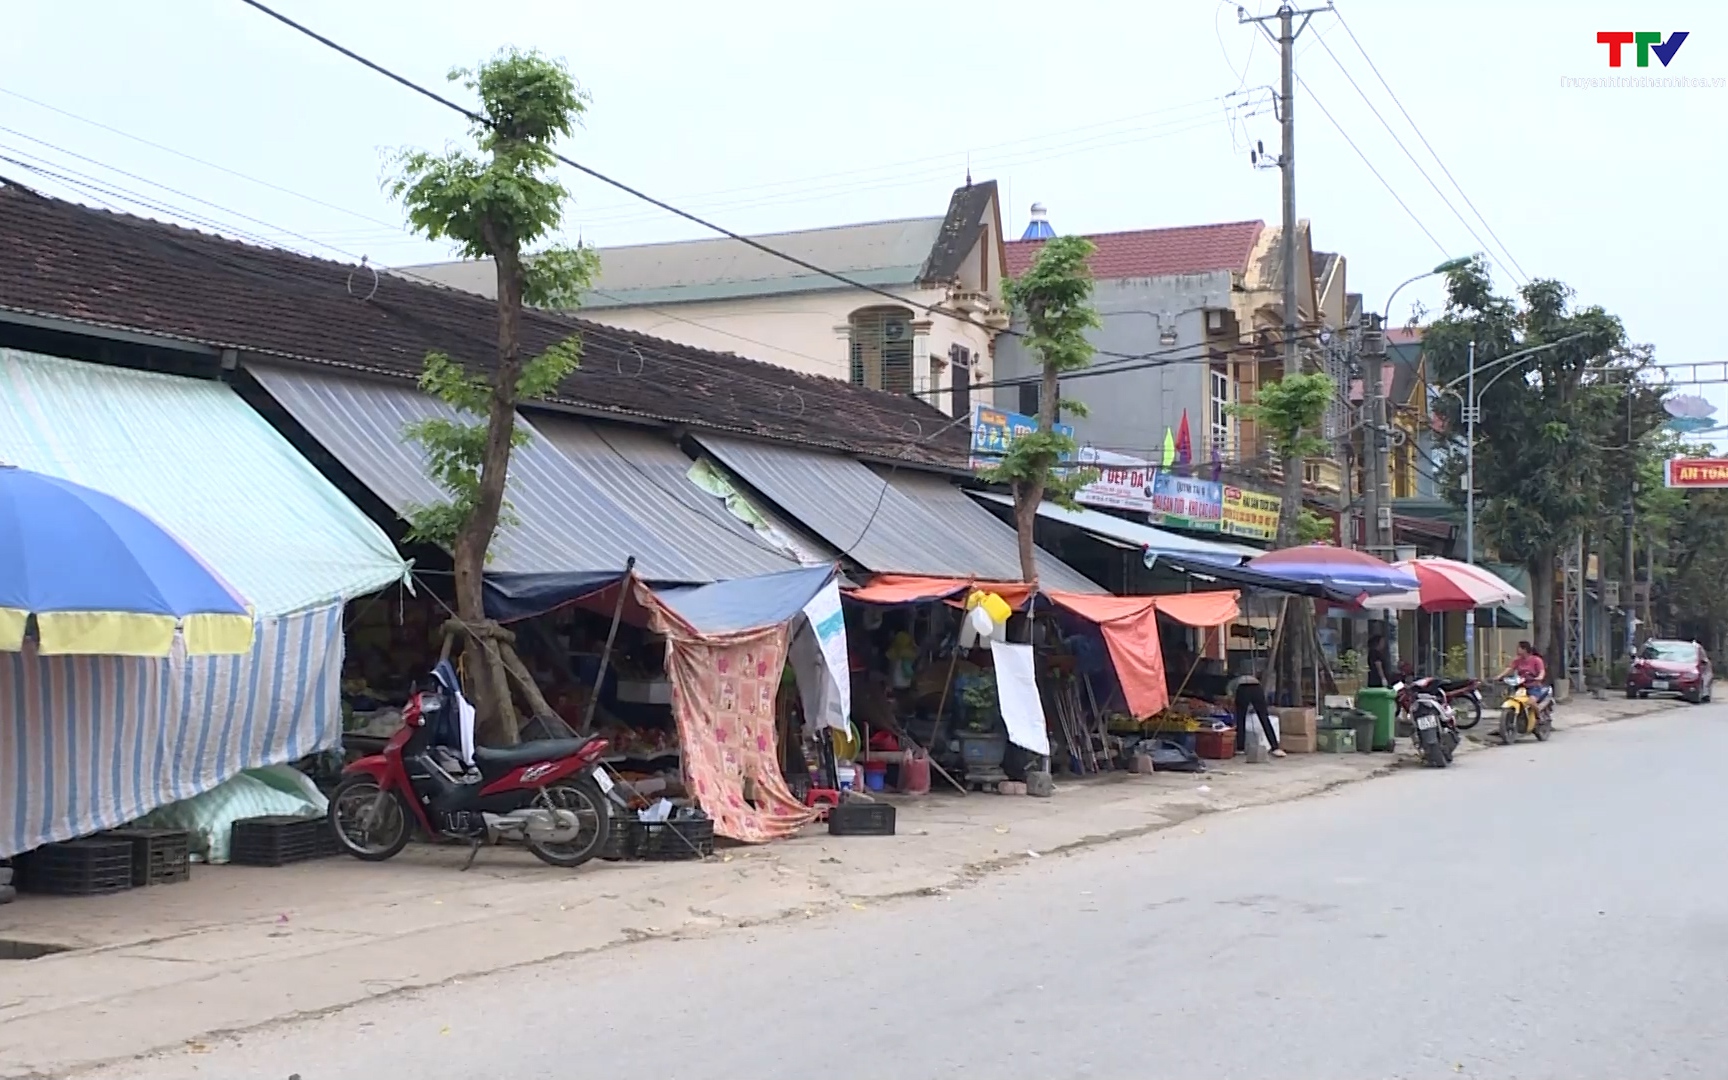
{"points": [[1383, 703]]}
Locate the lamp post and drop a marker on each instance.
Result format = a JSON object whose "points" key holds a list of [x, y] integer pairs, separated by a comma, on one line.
{"points": [[1471, 409], [1381, 540]]}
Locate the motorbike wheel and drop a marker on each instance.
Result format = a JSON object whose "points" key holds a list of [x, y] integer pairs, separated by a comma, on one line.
{"points": [[1469, 714], [581, 794], [1508, 726], [1434, 755], [355, 799], [1544, 726]]}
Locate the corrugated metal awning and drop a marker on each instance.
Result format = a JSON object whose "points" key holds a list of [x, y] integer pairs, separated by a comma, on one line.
{"points": [[569, 516], [199, 460], [1135, 535], [877, 523], [984, 535]]}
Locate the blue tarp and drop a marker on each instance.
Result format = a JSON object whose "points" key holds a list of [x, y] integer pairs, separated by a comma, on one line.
{"points": [[511, 597], [746, 603]]}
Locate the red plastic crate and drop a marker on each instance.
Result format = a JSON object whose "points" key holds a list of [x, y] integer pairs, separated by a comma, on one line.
{"points": [[1216, 745]]}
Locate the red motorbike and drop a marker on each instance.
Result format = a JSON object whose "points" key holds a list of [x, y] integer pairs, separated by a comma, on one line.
{"points": [[550, 794], [1464, 696]]}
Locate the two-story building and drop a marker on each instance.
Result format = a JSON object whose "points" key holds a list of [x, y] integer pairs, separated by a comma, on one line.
{"points": [[932, 336]]}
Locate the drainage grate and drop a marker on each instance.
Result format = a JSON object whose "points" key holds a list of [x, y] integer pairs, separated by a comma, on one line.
{"points": [[28, 950]]}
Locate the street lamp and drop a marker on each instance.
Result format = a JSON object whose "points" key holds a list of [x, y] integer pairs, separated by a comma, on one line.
{"points": [[1472, 411], [1377, 420]]}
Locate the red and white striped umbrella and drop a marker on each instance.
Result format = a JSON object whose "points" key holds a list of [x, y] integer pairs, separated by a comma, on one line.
{"points": [[1449, 585]]}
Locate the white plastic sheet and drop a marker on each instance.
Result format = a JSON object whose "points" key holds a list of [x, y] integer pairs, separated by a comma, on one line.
{"points": [[1017, 694]]}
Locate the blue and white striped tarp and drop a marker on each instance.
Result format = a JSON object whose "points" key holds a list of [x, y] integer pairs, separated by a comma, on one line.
{"points": [[90, 743]]}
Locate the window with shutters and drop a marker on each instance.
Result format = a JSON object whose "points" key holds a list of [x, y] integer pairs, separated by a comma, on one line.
{"points": [[881, 349], [960, 360]]}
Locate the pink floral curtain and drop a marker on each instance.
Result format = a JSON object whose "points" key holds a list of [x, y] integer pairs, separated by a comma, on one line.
{"points": [[723, 691]]}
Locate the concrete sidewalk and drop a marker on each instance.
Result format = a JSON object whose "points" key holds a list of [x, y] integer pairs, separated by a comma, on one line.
{"points": [[175, 966]]}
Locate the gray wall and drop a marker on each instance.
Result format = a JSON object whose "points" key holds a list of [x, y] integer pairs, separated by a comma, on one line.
{"points": [[1130, 410]]}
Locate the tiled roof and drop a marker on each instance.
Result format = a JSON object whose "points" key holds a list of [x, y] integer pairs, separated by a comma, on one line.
{"points": [[1403, 335], [66, 261], [1149, 253]]}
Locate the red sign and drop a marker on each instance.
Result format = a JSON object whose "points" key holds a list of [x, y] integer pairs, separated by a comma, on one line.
{"points": [[1697, 473]]}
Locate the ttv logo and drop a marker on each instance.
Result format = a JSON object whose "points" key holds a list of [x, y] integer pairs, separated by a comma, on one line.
{"points": [[1647, 41]]}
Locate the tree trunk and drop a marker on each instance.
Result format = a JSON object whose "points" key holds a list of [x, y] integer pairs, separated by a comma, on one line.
{"points": [[492, 697], [1541, 567], [1028, 494]]}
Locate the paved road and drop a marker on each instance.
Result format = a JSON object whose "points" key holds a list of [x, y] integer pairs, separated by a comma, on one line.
{"points": [[1548, 911]]}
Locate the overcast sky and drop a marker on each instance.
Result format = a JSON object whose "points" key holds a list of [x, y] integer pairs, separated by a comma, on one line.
{"points": [[768, 115]]}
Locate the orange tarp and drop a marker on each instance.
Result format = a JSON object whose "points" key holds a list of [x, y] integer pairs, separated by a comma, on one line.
{"points": [[914, 589], [1205, 609], [1129, 625]]}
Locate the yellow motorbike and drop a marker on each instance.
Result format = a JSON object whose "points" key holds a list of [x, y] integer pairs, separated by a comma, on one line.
{"points": [[1527, 710]]}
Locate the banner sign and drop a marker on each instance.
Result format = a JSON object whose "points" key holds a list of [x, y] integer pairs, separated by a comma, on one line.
{"points": [[1120, 487], [993, 430], [1697, 473], [1250, 515], [1183, 502]]}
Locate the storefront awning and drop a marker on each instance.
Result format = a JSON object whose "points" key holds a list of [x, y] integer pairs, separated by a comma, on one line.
{"points": [[893, 589], [904, 526], [1135, 535], [729, 606], [1202, 609], [580, 507], [1211, 575], [201, 462]]}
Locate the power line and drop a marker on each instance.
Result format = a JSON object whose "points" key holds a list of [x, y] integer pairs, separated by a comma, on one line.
{"points": [[396, 228], [1352, 142], [596, 174], [1429, 146], [1462, 220]]}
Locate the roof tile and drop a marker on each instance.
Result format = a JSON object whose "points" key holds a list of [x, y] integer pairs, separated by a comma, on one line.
{"points": [[1149, 253], [68, 261]]}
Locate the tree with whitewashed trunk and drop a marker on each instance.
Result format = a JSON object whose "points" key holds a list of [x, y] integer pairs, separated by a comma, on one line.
{"points": [[501, 203]]}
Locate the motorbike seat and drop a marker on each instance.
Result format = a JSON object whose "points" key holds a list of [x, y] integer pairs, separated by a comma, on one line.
{"points": [[1453, 685], [528, 753]]}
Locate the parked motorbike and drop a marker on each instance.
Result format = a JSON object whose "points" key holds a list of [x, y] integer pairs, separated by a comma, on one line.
{"points": [[1463, 695], [550, 795], [1527, 710], [1434, 721]]}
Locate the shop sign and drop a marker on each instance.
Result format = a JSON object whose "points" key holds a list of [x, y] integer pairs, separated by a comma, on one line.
{"points": [[993, 430], [1167, 498], [1182, 502], [1697, 473], [1250, 514], [1120, 487]]}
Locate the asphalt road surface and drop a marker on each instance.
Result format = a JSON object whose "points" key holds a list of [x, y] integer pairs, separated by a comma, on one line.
{"points": [[1544, 911]]}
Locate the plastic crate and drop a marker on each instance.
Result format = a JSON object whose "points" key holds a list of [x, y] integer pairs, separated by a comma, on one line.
{"points": [[93, 866], [159, 856], [666, 841], [1336, 740], [278, 840], [855, 817], [1216, 745]]}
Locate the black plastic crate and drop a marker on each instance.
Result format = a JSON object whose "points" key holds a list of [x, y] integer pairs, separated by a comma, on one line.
{"points": [[279, 839], [855, 817], [618, 841], [159, 856], [93, 866], [666, 841]]}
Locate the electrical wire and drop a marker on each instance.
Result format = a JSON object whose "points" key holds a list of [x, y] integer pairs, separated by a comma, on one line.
{"points": [[590, 171], [1426, 144], [1365, 160], [1363, 94], [395, 228]]}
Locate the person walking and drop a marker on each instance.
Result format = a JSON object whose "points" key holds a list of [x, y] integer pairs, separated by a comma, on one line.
{"points": [[1248, 694], [1379, 661]]}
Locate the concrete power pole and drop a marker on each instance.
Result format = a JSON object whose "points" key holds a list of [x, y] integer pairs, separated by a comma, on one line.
{"points": [[1376, 491], [1288, 32]]}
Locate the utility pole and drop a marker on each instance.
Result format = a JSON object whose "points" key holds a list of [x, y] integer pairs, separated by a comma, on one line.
{"points": [[1629, 567], [1288, 32], [1376, 498], [1470, 506]]}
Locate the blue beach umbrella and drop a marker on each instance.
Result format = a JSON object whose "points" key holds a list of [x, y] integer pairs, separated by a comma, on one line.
{"points": [[99, 578]]}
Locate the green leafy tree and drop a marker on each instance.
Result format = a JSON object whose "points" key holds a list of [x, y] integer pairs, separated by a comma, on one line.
{"points": [[1560, 430], [500, 203], [1055, 295], [1291, 412]]}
